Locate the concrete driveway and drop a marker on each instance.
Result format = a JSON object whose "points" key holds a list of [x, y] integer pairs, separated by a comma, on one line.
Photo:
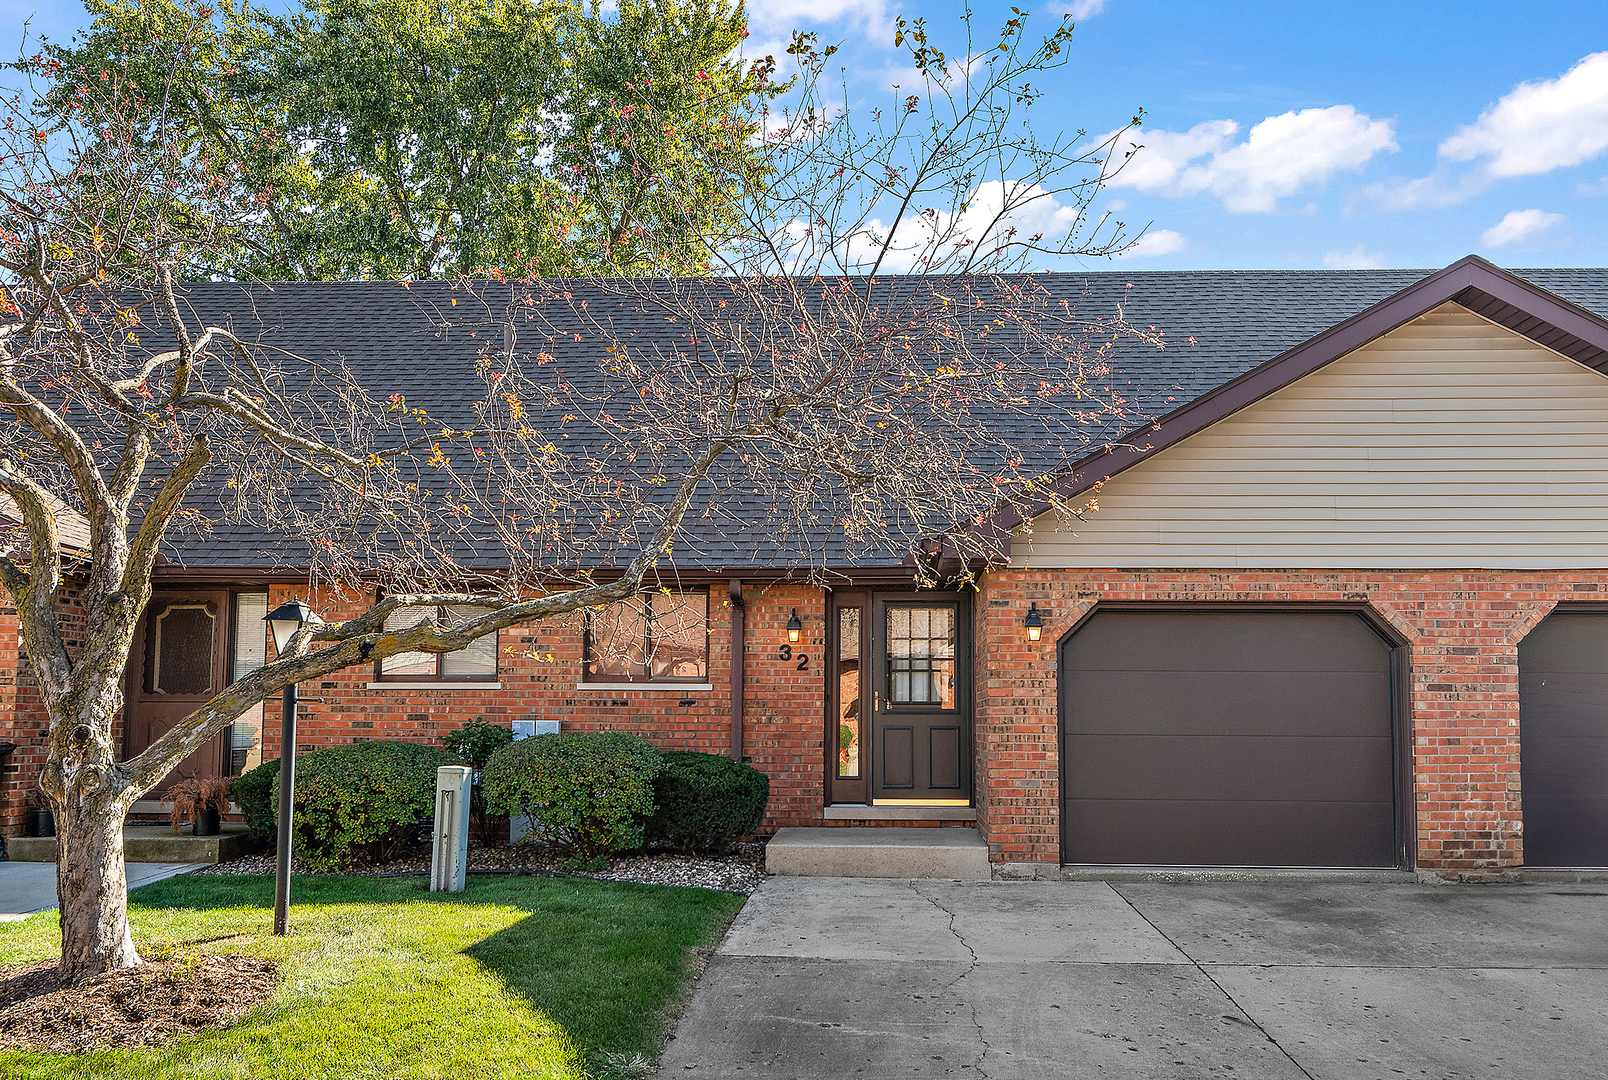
{"points": [[832, 977]]}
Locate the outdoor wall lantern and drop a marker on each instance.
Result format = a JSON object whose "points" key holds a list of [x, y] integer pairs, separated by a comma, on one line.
{"points": [[795, 629], [1034, 623], [284, 621]]}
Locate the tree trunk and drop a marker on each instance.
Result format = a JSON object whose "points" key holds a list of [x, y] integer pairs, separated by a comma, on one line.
{"points": [[92, 887]]}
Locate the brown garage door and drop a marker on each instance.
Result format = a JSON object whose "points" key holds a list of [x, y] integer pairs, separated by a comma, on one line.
{"points": [[1227, 739], [1563, 741]]}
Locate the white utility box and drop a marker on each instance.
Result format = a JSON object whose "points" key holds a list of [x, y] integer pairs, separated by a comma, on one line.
{"points": [[449, 853]]}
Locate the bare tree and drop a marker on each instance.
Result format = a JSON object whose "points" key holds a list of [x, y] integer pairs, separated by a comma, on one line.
{"points": [[809, 394]]}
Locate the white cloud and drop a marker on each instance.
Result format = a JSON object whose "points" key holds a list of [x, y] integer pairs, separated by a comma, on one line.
{"points": [[1156, 242], [923, 240], [1540, 126], [1355, 259], [781, 17], [1163, 155], [1084, 9], [1280, 156], [1519, 225]]}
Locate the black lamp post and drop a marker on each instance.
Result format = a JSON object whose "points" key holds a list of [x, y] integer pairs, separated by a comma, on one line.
{"points": [[285, 620]]}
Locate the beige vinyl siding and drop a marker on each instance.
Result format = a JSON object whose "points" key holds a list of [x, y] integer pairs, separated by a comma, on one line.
{"points": [[1448, 443]]}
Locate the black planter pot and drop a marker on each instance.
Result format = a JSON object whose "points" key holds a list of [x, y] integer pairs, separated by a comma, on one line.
{"points": [[41, 823], [206, 823]]}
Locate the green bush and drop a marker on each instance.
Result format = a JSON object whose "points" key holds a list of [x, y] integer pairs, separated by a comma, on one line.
{"points": [[587, 790], [477, 740], [706, 802], [362, 803], [258, 798]]}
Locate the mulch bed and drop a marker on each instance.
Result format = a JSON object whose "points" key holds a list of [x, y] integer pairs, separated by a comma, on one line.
{"points": [[142, 1006], [741, 871]]}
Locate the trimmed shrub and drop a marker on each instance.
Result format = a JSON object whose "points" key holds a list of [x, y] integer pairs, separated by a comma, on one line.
{"points": [[258, 797], [587, 790], [362, 803], [706, 802], [475, 742]]}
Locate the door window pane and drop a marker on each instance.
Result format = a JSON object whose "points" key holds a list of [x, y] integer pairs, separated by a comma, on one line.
{"points": [[921, 656], [179, 652], [849, 692], [250, 653]]}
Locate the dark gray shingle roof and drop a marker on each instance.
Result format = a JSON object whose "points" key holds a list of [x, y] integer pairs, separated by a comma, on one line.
{"points": [[1217, 325]]}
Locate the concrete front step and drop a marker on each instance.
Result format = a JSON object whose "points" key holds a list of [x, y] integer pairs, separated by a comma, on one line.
{"points": [[953, 853], [147, 844]]}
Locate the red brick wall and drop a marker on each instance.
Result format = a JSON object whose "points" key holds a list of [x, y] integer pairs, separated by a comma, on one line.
{"points": [[23, 719], [1464, 628], [540, 673]]}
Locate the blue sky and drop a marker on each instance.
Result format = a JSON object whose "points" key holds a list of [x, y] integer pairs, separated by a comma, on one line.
{"points": [[1290, 134], [1293, 134]]}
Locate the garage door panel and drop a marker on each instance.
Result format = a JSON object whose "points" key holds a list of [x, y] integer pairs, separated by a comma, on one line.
{"points": [[1566, 643], [1569, 704], [1185, 833], [1227, 738], [1565, 830], [1223, 641], [1215, 702], [1226, 767], [1565, 766], [1563, 740]]}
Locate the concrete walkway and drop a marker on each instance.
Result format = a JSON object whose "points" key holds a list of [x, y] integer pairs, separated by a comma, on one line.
{"points": [[840, 978], [27, 887]]}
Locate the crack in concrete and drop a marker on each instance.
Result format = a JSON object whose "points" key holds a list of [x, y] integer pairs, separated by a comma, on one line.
{"points": [[971, 1004], [1249, 1021]]}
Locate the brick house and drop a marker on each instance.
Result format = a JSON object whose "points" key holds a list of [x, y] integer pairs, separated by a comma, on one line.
{"points": [[1345, 604]]}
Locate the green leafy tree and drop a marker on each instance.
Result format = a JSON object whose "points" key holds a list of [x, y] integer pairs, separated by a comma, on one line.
{"points": [[441, 138]]}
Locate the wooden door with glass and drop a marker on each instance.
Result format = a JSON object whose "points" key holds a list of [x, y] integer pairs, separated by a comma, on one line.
{"points": [[179, 662], [899, 715]]}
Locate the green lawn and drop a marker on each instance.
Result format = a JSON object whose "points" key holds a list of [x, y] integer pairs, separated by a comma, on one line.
{"points": [[526, 977]]}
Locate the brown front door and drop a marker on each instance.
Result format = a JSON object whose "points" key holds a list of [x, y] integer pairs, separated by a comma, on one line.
{"points": [[178, 663], [920, 698], [899, 699]]}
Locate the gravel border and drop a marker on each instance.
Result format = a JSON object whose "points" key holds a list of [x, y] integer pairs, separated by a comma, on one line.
{"points": [[740, 872]]}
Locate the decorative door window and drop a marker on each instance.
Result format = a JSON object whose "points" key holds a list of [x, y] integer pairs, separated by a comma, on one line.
{"points": [[178, 650], [848, 692], [921, 655]]}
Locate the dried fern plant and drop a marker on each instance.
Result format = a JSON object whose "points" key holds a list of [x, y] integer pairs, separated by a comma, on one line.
{"points": [[192, 796]]}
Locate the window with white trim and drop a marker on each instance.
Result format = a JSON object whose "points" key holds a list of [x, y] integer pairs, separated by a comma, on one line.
{"points": [[476, 662], [656, 637]]}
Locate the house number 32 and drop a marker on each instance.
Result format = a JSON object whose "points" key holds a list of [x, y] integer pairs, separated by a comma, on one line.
{"points": [[802, 658]]}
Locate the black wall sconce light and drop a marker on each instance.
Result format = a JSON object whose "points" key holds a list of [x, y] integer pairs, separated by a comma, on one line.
{"points": [[1034, 623], [795, 629]]}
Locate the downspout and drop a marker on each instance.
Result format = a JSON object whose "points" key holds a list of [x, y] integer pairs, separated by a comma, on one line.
{"points": [[737, 640]]}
